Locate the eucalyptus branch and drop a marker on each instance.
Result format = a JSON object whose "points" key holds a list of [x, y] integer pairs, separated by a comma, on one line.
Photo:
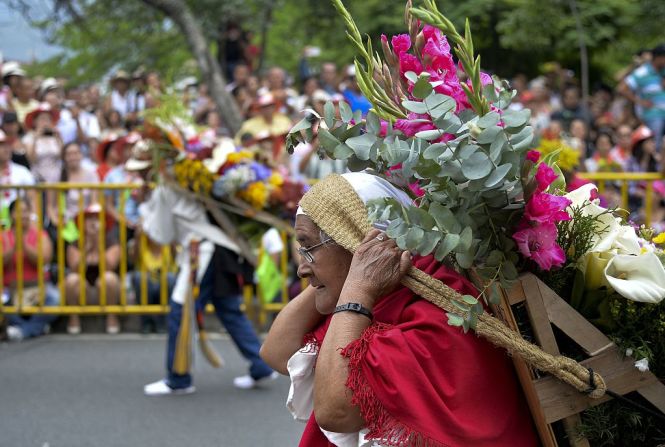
{"points": [[464, 50]]}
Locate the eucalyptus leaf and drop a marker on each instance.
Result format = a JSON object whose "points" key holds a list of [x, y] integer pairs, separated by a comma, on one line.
{"points": [[465, 151], [454, 320], [415, 106], [414, 237], [477, 166], [396, 228], [328, 140], [429, 242], [345, 112], [342, 152], [361, 145], [329, 114], [488, 135], [444, 217], [356, 165], [422, 88], [489, 120], [420, 217], [516, 118], [301, 125], [509, 271], [464, 260], [489, 92], [450, 123], [439, 105], [434, 151], [373, 123], [497, 175], [466, 237], [469, 299], [449, 243], [411, 76], [498, 146]]}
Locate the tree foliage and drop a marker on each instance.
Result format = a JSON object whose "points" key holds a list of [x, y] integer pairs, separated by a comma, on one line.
{"points": [[511, 35]]}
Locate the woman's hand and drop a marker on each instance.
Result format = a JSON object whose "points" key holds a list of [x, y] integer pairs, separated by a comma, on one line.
{"points": [[377, 267]]}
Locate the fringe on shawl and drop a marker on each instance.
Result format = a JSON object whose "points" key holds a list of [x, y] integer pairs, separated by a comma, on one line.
{"points": [[383, 427]]}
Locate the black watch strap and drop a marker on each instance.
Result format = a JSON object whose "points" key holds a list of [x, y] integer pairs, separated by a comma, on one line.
{"points": [[354, 307]]}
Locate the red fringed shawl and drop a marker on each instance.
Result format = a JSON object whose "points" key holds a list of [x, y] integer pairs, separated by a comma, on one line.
{"points": [[419, 381]]}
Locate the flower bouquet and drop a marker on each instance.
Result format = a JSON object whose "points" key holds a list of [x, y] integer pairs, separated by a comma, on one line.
{"points": [[483, 200], [224, 178]]}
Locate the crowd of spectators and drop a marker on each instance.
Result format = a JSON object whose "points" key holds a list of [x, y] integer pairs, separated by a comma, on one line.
{"points": [[52, 133]]}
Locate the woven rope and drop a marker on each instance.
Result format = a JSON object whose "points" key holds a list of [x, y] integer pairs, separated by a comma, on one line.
{"points": [[336, 208]]}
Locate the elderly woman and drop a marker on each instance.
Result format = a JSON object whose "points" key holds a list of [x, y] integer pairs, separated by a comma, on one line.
{"points": [[371, 363]]}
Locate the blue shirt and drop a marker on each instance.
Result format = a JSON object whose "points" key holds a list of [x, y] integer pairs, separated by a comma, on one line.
{"points": [[118, 175], [357, 101], [647, 83]]}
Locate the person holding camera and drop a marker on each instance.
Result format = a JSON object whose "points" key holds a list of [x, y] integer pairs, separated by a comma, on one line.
{"points": [[43, 143]]}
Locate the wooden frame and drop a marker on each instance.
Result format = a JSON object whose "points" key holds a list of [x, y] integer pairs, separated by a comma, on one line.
{"points": [[549, 399]]}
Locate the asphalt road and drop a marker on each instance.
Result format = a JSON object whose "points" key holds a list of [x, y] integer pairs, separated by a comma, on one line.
{"points": [[87, 391]]}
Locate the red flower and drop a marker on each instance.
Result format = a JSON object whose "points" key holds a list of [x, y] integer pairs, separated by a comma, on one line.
{"points": [[533, 156], [401, 43]]}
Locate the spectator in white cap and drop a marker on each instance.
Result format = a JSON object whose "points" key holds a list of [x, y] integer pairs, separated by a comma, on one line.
{"points": [[120, 99], [11, 75]]}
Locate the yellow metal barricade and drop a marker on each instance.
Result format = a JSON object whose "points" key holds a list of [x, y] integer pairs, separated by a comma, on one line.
{"points": [[16, 290], [624, 179]]}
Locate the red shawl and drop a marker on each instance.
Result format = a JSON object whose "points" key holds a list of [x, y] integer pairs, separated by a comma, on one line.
{"points": [[419, 381]]}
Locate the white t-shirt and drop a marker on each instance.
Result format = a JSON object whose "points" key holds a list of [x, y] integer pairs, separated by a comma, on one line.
{"points": [[14, 175], [272, 242]]}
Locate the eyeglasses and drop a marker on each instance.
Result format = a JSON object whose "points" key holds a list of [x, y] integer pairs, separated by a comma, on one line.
{"points": [[307, 252]]}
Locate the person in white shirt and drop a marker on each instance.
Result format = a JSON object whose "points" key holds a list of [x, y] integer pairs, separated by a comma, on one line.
{"points": [[12, 174]]}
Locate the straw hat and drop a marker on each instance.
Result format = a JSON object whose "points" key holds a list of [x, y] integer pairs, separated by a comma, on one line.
{"points": [[43, 107], [121, 75], [141, 157]]}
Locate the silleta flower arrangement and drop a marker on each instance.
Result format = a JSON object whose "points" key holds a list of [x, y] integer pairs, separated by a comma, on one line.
{"points": [[483, 199]]}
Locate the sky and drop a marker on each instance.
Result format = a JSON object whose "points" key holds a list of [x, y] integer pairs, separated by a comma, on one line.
{"points": [[18, 41]]}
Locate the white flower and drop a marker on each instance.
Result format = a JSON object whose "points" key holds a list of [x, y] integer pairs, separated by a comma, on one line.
{"points": [[637, 277], [629, 352], [642, 365]]}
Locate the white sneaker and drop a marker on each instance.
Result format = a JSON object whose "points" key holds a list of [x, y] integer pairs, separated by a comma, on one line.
{"points": [[161, 388], [14, 333], [248, 382]]}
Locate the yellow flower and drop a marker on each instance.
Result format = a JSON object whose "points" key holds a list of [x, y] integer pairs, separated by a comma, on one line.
{"points": [[660, 239], [276, 179], [256, 194], [236, 157], [567, 158]]}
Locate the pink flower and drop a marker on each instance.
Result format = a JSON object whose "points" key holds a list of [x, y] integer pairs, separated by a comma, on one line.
{"points": [[545, 175], [401, 43], [539, 244], [409, 62], [546, 208], [437, 56], [413, 124], [384, 128], [432, 33], [416, 189], [533, 156]]}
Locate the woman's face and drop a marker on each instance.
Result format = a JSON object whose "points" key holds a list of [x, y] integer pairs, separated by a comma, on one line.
{"points": [[603, 144], [25, 215], [43, 120], [72, 156], [330, 267]]}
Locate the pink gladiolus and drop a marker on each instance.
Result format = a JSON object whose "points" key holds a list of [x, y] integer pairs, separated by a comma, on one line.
{"points": [[546, 208], [533, 156], [545, 175], [401, 43], [539, 244], [413, 124], [409, 62]]}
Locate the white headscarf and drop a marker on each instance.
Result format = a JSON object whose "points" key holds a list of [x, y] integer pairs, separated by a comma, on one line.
{"points": [[372, 187]]}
